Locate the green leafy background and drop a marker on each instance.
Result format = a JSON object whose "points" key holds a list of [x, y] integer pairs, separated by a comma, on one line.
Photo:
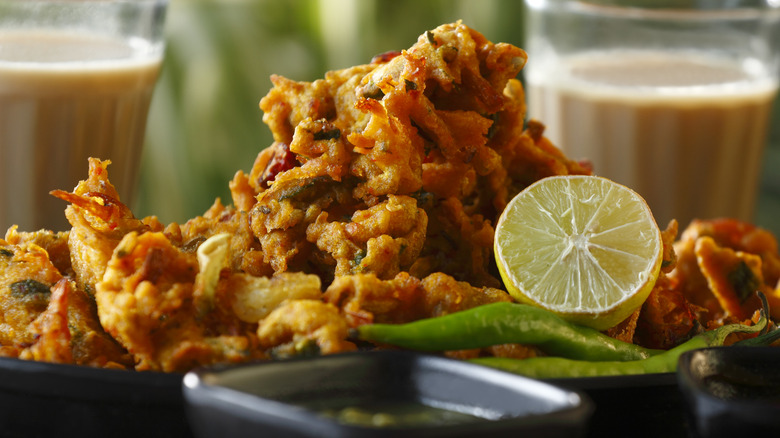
{"points": [[205, 123]]}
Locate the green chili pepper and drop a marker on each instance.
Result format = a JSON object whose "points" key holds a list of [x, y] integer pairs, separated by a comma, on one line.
{"points": [[766, 339], [666, 362], [504, 323]]}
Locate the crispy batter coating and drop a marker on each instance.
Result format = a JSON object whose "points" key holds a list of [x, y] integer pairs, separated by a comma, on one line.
{"points": [[54, 243], [99, 220], [245, 253], [27, 276], [446, 295], [365, 299], [50, 328], [457, 243], [43, 316], [666, 318], [304, 327], [147, 300], [732, 276], [383, 239], [722, 263], [440, 123]]}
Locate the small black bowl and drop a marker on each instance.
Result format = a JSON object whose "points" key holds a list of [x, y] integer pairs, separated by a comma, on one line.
{"points": [[288, 399], [731, 391]]}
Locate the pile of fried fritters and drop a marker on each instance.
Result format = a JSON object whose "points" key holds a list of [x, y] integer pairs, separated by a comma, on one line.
{"points": [[375, 203]]}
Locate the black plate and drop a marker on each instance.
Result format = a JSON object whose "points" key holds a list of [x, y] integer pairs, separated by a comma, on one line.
{"points": [[642, 405], [40, 399]]}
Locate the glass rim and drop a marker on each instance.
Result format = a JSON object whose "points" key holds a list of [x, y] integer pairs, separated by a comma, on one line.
{"points": [[667, 12]]}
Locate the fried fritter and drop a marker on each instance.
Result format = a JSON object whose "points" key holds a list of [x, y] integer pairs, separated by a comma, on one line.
{"points": [[722, 263], [99, 220], [149, 301], [26, 275], [441, 122], [44, 316], [54, 243], [458, 244], [304, 327], [245, 253], [365, 299], [383, 239], [50, 329]]}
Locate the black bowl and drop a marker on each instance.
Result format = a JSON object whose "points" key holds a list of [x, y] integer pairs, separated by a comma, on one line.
{"points": [[732, 391], [288, 398]]}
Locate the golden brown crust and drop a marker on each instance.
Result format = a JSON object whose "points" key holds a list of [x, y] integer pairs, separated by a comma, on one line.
{"points": [[416, 122], [721, 263]]}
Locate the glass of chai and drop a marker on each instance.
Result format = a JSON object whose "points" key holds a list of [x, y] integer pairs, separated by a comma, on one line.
{"points": [[76, 80], [669, 97]]}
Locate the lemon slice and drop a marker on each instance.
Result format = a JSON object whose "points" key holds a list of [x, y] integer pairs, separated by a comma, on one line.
{"points": [[583, 247]]}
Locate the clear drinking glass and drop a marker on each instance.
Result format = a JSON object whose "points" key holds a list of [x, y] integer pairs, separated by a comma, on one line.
{"points": [[76, 80], [670, 97]]}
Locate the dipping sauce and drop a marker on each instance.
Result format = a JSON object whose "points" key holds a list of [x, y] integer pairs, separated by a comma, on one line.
{"points": [[685, 131], [396, 414], [63, 98]]}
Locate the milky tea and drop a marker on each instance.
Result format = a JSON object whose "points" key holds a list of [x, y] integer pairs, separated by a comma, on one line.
{"points": [[64, 97], [685, 131]]}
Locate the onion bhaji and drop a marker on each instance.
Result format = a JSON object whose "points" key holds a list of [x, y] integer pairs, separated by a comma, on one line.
{"points": [[722, 263], [43, 315], [434, 133], [375, 203]]}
